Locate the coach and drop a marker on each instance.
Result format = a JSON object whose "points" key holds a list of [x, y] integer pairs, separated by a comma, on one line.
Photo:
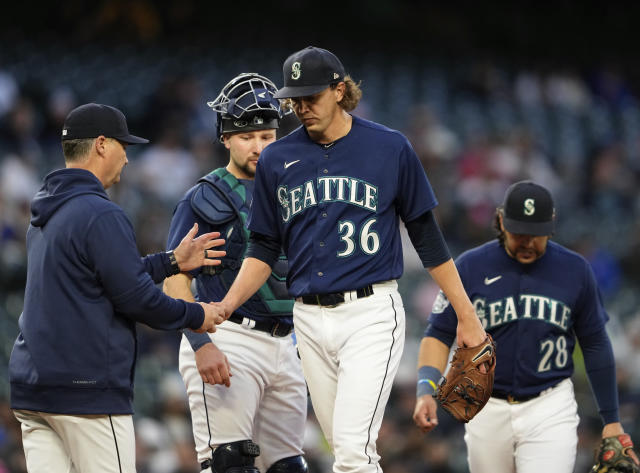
{"points": [[72, 365]]}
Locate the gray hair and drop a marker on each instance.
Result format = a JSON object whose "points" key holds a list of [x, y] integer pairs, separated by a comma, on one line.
{"points": [[75, 151]]}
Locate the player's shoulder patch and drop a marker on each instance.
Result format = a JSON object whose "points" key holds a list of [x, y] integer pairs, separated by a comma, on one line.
{"points": [[210, 205], [440, 304]]}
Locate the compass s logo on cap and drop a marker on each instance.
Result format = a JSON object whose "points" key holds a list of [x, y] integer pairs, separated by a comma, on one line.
{"points": [[295, 71], [528, 209], [529, 206], [310, 71]]}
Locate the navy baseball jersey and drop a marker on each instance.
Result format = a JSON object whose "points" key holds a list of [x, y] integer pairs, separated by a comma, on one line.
{"points": [[349, 194], [533, 311]]}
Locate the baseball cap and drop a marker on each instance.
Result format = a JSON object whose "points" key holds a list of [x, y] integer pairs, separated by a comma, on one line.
{"points": [[309, 71], [93, 119], [528, 209]]}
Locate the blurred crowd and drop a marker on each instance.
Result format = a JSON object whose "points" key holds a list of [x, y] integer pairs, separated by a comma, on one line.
{"points": [[477, 128]]}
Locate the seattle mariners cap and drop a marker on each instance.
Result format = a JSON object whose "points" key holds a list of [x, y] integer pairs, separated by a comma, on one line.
{"points": [[93, 119], [528, 209], [310, 71]]}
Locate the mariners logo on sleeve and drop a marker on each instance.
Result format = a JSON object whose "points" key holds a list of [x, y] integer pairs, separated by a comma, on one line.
{"points": [[440, 304]]}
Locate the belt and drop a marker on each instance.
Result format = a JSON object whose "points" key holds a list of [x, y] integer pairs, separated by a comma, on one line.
{"points": [[273, 328], [511, 399], [332, 299]]}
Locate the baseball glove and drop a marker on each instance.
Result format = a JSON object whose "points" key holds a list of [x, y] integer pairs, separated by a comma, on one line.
{"points": [[465, 390], [616, 455]]}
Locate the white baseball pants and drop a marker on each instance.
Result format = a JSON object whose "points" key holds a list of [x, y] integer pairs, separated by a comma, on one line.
{"points": [[539, 435], [77, 443], [350, 355], [266, 402]]}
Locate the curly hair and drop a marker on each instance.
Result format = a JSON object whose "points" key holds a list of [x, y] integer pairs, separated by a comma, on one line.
{"points": [[497, 228], [352, 94], [350, 100]]}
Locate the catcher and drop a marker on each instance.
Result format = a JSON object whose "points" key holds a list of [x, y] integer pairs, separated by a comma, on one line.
{"points": [[535, 298]]}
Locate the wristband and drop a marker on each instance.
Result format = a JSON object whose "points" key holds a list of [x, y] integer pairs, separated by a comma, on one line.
{"points": [[175, 269], [428, 378]]}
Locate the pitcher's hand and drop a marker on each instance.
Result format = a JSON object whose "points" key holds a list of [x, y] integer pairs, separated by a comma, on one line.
{"points": [[213, 315], [470, 332]]}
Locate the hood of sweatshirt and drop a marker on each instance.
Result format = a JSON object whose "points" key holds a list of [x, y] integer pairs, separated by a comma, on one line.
{"points": [[58, 188]]}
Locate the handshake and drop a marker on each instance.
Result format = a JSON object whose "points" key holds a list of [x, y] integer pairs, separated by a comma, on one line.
{"points": [[214, 314]]}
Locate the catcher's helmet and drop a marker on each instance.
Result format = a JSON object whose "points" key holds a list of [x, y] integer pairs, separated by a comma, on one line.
{"points": [[246, 103]]}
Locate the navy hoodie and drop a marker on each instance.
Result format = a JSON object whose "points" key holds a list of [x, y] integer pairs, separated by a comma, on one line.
{"points": [[86, 288]]}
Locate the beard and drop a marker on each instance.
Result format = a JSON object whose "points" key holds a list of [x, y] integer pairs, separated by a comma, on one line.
{"points": [[529, 255], [248, 168]]}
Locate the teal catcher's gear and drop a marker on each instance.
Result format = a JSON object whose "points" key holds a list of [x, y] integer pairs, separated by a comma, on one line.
{"points": [[221, 200]]}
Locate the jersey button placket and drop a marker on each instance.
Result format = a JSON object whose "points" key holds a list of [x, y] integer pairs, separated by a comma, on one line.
{"points": [[521, 330], [321, 244]]}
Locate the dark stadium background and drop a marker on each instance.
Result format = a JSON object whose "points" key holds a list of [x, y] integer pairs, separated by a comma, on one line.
{"points": [[488, 92]]}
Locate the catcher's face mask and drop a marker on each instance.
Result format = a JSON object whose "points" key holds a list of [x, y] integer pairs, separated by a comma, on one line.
{"points": [[246, 103]]}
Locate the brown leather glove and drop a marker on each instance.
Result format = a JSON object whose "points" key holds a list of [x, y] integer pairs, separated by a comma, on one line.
{"points": [[465, 389]]}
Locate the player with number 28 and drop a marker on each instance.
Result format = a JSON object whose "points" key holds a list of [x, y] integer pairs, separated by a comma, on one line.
{"points": [[535, 298]]}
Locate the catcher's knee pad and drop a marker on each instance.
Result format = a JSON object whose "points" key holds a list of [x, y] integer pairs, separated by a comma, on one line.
{"points": [[295, 464], [234, 457]]}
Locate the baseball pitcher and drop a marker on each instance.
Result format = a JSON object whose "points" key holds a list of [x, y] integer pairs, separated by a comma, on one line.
{"points": [[332, 193]]}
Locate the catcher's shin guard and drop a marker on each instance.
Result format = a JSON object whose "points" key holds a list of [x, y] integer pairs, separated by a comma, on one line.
{"points": [[234, 457], [295, 464]]}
